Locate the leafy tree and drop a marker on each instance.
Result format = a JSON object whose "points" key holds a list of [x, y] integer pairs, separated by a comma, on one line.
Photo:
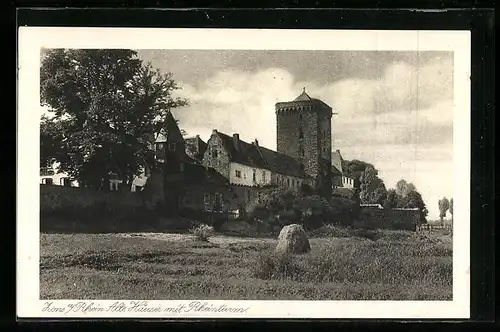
{"points": [[403, 188], [451, 209], [372, 188], [106, 106], [391, 200], [443, 205], [354, 169], [414, 200]]}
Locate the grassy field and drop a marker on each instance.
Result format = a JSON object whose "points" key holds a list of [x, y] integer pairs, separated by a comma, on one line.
{"points": [[390, 266]]}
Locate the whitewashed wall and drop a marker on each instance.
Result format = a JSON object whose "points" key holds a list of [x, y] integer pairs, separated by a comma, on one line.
{"points": [[246, 178], [347, 182]]}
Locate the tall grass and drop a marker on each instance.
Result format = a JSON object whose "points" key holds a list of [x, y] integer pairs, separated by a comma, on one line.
{"points": [[387, 262]]}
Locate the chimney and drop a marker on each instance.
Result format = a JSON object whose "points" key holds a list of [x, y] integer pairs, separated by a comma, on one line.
{"points": [[198, 136], [236, 141], [338, 151], [214, 132], [256, 143]]}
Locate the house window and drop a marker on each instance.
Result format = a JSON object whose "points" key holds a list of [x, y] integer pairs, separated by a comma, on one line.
{"points": [[288, 182], [263, 176], [218, 202], [206, 198], [214, 153], [237, 173], [172, 146], [65, 182], [244, 176], [254, 176]]}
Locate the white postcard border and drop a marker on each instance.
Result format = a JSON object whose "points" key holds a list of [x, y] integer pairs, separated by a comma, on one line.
{"points": [[32, 39]]}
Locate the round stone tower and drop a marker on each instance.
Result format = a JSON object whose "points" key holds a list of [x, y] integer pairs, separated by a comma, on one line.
{"points": [[304, 132]]}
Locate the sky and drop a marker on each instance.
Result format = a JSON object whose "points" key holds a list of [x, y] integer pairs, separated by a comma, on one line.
{"points": [[394, 109]]}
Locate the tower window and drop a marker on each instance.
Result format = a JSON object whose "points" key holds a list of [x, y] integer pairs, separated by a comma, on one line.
{"points": [[263, 176], [254, 177], [214, 153]]}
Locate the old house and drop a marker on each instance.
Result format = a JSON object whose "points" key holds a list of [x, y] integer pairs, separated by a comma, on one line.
{"points": [[251, 165], [195, 148], [339, 179], [179, 181]]}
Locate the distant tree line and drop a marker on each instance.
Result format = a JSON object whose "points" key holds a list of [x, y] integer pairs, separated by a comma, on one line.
{"points": [[372, 190]]}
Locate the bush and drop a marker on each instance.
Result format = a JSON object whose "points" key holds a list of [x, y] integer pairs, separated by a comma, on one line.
{"points": [[331, 230], [202, 232]]}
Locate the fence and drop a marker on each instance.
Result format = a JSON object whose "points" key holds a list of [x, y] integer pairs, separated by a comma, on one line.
{"points": [[429, 227]]}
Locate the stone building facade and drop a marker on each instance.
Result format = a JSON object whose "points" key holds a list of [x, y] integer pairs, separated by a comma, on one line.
{"points": [[339, 180], [304, 132], [251, 165]]}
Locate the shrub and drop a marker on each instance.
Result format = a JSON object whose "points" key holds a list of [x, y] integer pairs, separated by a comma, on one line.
{"points": [[202, 232], [330, 230]]}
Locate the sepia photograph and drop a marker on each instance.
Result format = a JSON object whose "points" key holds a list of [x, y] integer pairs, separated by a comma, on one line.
{"points": [[209, 177]]}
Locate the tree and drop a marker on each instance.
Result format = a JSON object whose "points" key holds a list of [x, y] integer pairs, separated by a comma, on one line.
{"points": [[391, 200], [414, 200], [403, 188], [443, 205], [354, 169], [106, 106], [451, 209], [372, 188]]}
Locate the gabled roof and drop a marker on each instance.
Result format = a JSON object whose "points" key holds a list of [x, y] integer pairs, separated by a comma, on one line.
{"points": [[195, 147], [257, 156], [335, 171], [196, 174], [170, 130], [337, 161]]}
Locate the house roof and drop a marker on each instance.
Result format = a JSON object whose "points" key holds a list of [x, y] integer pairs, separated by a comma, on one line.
{"points": [[195, 147], [303, 101], [303, 97], [253, 155], [196, 174], [335, 170], [337, 161], [170, 130]]}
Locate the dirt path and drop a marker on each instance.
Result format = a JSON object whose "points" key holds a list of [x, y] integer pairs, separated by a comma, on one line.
{"points": [[218, 239]]}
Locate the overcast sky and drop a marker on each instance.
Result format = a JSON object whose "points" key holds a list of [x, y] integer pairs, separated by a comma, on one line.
{"points": [[394, 108]]}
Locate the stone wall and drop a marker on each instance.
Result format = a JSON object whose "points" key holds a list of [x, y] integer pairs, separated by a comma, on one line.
{"points": [[397, 219], [304, 133]]}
